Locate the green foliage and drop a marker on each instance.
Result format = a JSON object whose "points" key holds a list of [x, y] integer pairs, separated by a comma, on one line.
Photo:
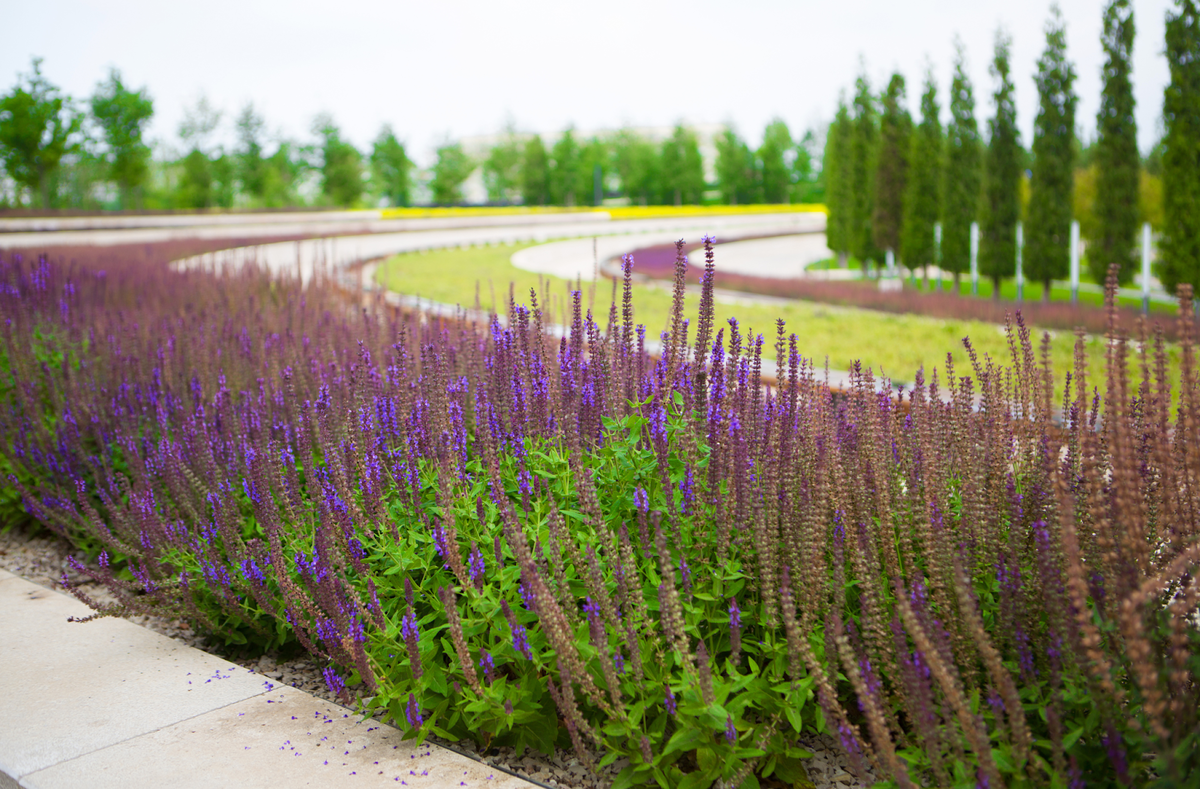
{"points": [[594, 160], [864, 145], [341, 165], [251, 167], [682, 169], [1180, 245], [962, 174], [922, 203], [808, 176], [502, 170], [774, 171], [1117, 161], [1001, 207], [450, 171], [535, 172], [1047, 237], [38, 126], [891, 174], [122, 115], [391, 168], [638, 166], [839, 197], [564, 167]]}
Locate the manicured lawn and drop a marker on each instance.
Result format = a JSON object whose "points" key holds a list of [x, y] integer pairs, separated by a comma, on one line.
{"points": [[895, 344]]}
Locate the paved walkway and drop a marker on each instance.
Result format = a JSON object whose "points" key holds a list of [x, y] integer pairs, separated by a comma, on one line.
{"points": [[109, 704]]}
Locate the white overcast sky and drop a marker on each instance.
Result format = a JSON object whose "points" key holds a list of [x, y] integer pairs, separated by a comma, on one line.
{"points": [[450, 68]]}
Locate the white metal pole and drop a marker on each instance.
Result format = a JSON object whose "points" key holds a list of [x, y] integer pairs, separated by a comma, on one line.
{"points": [[1074, 262], [974, 258], [1020, 251], [1145, 268], [937, 251]]}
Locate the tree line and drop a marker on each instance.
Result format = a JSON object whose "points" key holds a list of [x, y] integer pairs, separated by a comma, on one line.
{"points": [[92, 153], [892, 181]]}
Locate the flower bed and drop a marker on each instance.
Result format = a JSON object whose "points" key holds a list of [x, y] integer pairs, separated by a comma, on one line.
{"points": [[495, 533]]}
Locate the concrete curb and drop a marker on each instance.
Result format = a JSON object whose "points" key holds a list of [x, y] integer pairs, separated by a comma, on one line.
{"points": [[111, 704]]}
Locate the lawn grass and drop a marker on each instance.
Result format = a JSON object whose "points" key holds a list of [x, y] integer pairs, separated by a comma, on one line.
{"points": [[897, 345]]}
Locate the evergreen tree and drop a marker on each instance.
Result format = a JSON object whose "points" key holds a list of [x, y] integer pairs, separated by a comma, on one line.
{"points": [[123, 115], [808, 182], [391, 168], [682, 168], [774, 175], [891, 174], [564, 163], [1047, 251], [836, 169], [1001, 176], [502, 169], [341, 168], [251, 162], [1117, 162], [962, 173], [450, 171], [535, 173], [921, 199], [196, 187], [38, 126], [593, 155], [637, 163], [1180, 245], [735, 169], [863, 150]]}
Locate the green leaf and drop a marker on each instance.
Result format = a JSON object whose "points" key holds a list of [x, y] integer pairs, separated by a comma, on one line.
{"points": [[684, 740], [700, 779]]}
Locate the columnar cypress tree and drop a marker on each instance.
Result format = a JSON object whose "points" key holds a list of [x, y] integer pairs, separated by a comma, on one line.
{"points": [[863, 144], [1117, 159], [1047, 252], [962, 175], [839, 199], [1001, 176], [891, 175], [922, 201], [1180, 245]]}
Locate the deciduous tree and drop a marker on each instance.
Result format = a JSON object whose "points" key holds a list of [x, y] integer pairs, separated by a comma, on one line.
{"points": [[535, 172], [123, 115], [391, 168], [735, 168], [38, 126], [450, 172]]}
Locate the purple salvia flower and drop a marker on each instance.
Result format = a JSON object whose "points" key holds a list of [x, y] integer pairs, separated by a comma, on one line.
{"points": [[488, 665], [412, 711], [336, 684], [730, 730], [476, 567], [735, 630], [647, 754], [687, 490], [641, 500], [412, 635], [508, 707], [669, 701], [619, 662]]}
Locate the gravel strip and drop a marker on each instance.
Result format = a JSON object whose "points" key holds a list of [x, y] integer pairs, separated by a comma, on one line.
{"points": [[42, 559]]}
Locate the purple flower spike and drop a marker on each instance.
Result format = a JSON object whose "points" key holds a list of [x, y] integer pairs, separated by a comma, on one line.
{"points": [[669, 702], [412, 711], [730, 730]]}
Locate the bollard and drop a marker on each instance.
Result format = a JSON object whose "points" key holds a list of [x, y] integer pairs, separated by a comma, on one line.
{"points": [[974, 258], [937, 251], [1020, 251], [1146, 268], [1074, 262]]}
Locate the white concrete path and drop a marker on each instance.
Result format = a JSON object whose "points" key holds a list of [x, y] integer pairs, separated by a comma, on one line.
{"points": [[303, 257], [784, 256], [111, 705]]}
